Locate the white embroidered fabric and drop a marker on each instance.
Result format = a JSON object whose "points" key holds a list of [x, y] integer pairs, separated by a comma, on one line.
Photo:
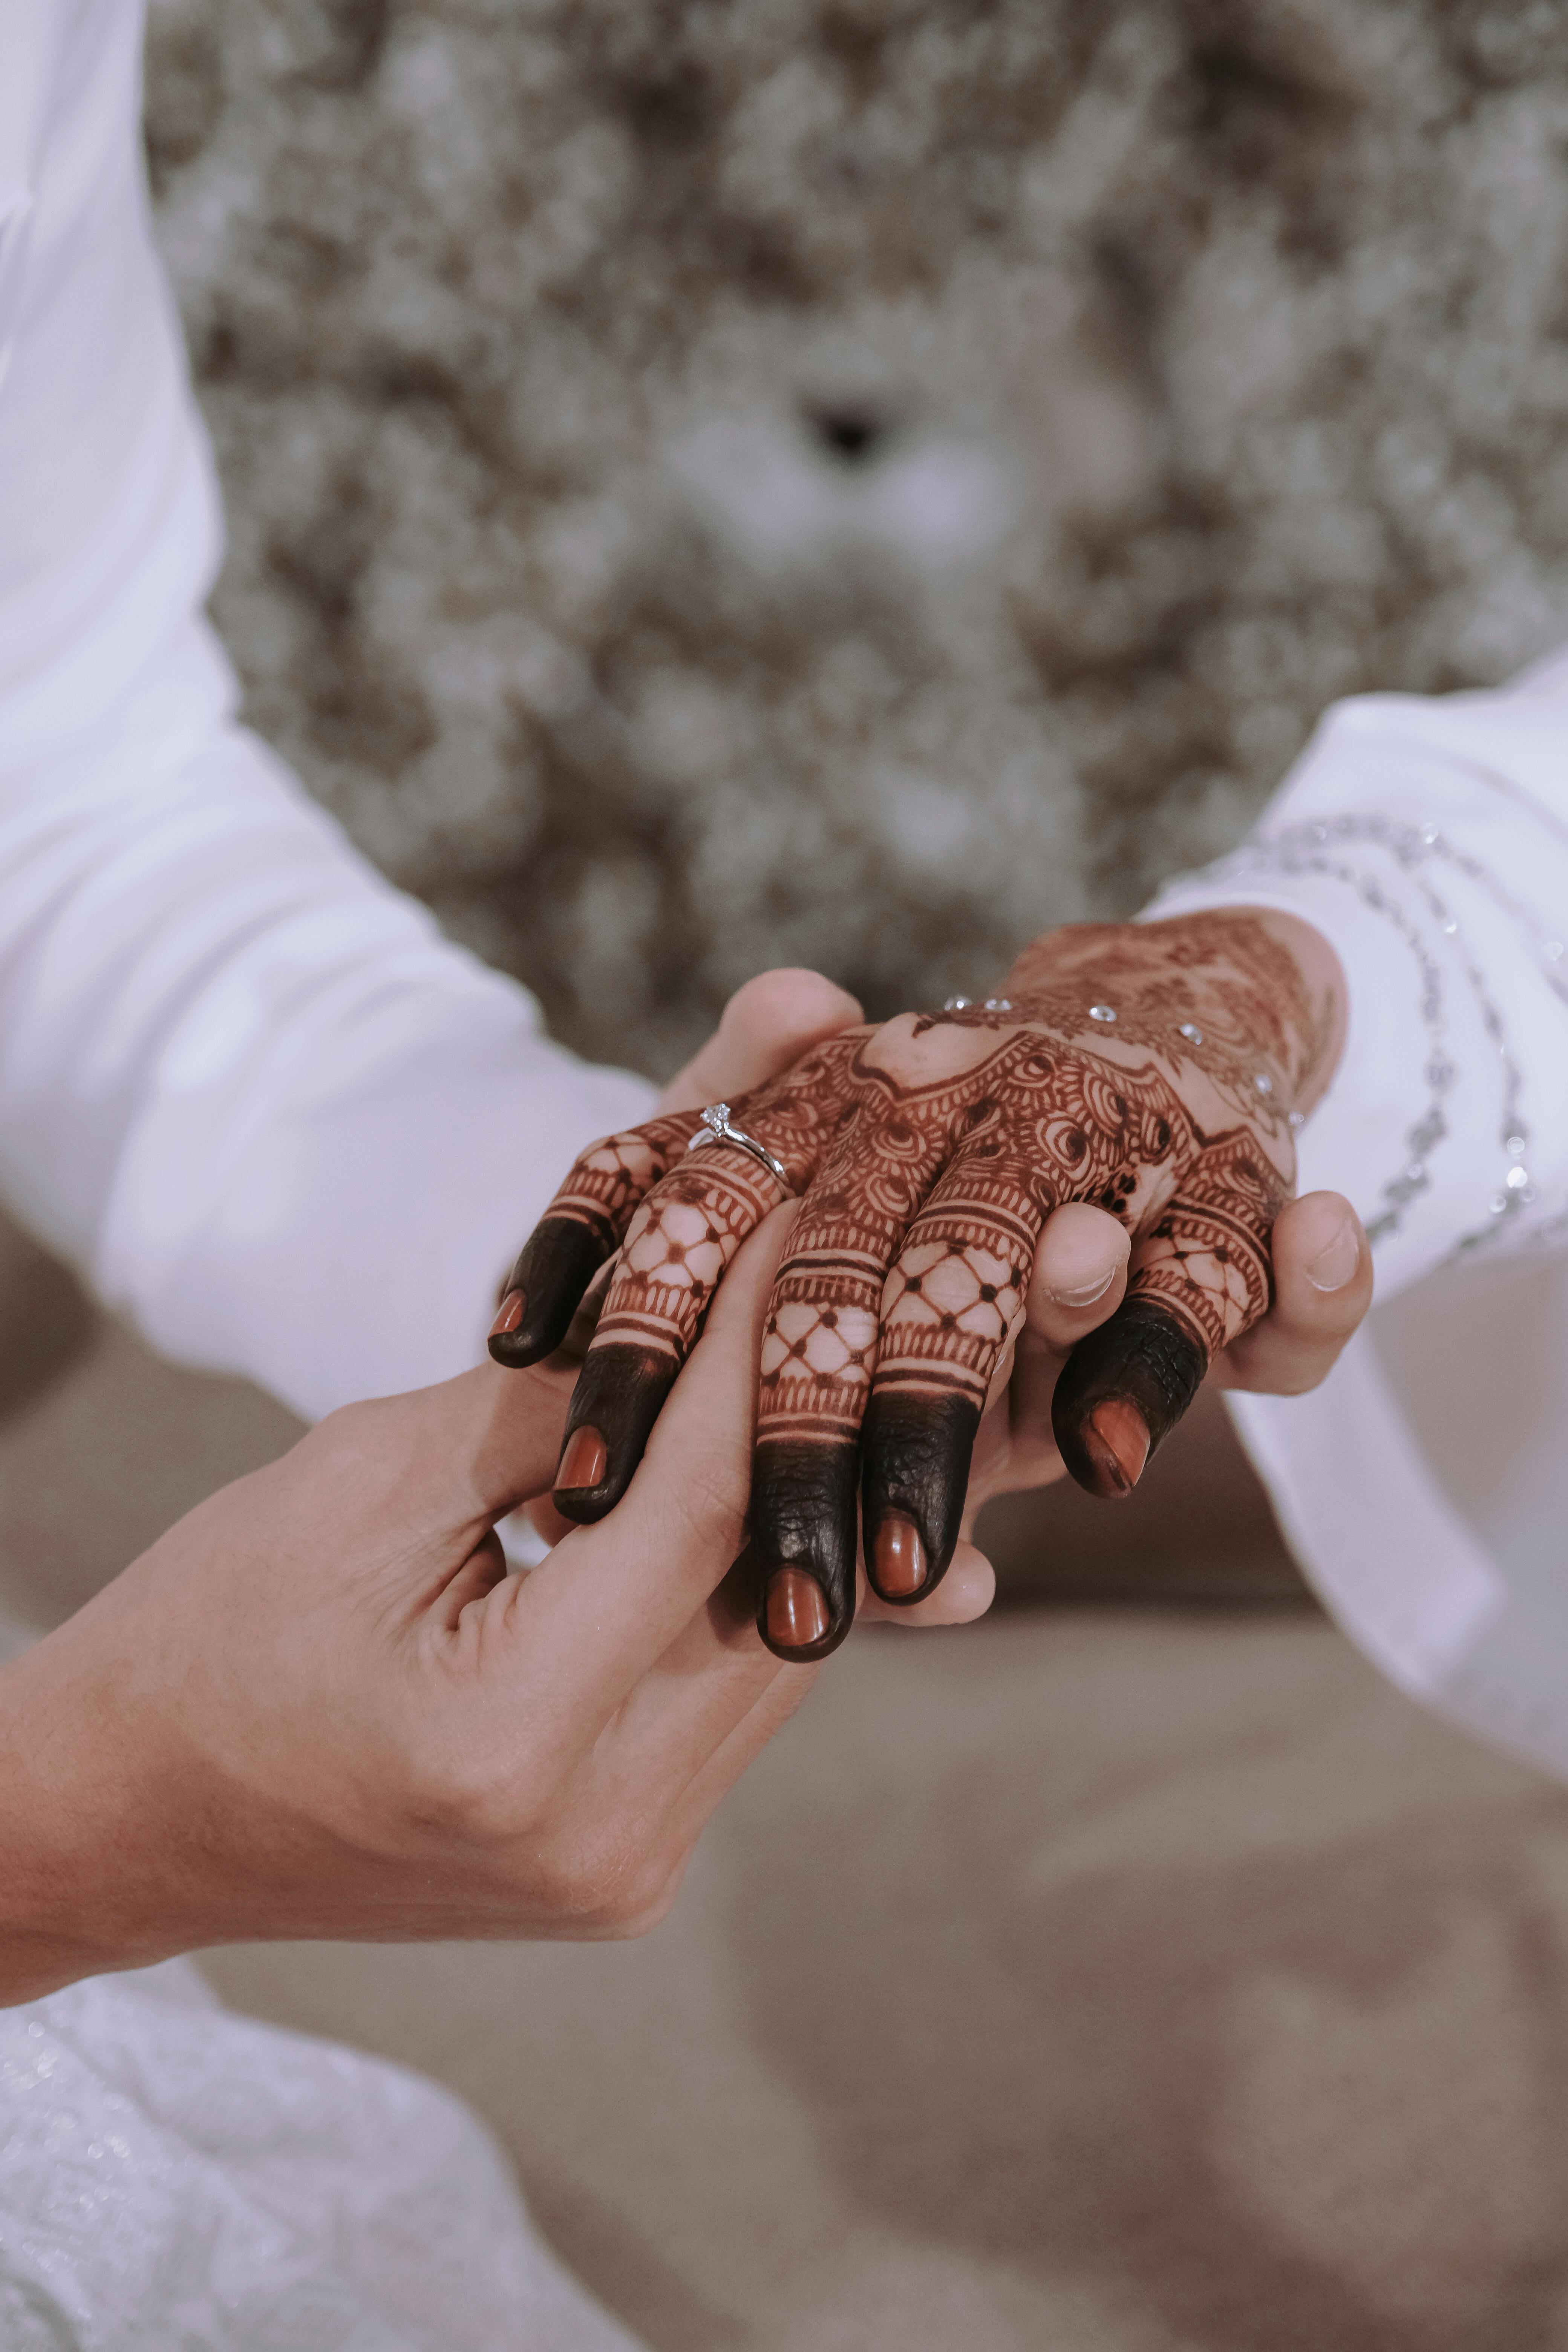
{"points": [[1427, 839], [172, 2175]]}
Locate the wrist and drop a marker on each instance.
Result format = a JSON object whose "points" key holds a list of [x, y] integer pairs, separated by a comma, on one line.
{"points": [[1253, 986], [81, 1851], [1323, 984]]}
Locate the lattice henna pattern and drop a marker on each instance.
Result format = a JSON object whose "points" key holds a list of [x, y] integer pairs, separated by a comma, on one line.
{"points": [[1071, 1129], [611, 1176], [926, 1157]]}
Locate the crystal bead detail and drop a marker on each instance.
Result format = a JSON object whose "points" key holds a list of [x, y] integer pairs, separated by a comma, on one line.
{"points": [[1100, 1013], [998, 1005], [957, 1005], [1263, 1083], [1191, 1032], [1517, 1179]]}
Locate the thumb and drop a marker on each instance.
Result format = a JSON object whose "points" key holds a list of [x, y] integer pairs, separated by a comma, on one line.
{"points": [[766, 1026], [469, 1450]]}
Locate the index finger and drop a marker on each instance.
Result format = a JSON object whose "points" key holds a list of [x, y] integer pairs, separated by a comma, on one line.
{"points": [[584, 1224], [612, 1598]]}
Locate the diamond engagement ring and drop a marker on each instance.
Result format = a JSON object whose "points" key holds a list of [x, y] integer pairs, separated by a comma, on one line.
{"points": [[716, 1128]]}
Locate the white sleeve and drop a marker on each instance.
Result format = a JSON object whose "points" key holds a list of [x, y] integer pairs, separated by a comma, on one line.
{"points": [[1428, 841], [244, 1083]]}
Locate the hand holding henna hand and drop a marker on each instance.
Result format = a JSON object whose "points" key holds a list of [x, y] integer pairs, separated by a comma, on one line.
{"points": [[1152, 1070]]}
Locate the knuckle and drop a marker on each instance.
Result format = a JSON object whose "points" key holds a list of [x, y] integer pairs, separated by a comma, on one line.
{"points": [[361, 1448], [790, 998], [348, 1427], [650, 1910], [612, 1879], [612, 1887], [637, 1900], [471, 1792]]}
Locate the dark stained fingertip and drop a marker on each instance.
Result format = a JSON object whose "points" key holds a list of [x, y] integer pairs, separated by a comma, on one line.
{"points": [[804, 1542], [619, 1394], [916, 1450], [1120, 1394], [559, 1260]]}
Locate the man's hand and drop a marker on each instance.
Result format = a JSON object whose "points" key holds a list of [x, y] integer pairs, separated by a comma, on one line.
{"points": [[318, 1707], [1154, 1073]]}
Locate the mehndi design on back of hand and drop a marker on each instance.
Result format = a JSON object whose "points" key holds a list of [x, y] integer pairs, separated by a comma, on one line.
{"points": [[1149, 1070]]}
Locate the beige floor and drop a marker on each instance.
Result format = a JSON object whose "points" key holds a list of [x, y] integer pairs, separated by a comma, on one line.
{"points": [[1114, 1980]]}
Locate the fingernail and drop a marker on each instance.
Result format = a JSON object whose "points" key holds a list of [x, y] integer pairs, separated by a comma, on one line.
{"points": [[899, 1560], [510, 1314], [584, 1460], [1333, 1267], [797, 1609], [1086, 1293], [1123, 1441]]}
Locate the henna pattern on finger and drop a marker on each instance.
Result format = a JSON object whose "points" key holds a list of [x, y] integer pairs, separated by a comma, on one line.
{"points": [[994, 1148], [819, 1349], [676, 1250], [1147, 1070], [1062, 1126], [678, 1243], [581, 1227], [1201, 1276], [1205, 1257]]}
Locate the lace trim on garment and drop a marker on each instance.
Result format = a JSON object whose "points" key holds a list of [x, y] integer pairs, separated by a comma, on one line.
{"points": [[1325, 848]]}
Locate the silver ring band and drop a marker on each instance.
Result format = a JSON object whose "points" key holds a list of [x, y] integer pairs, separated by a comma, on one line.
{"points": [[716, 1128]]}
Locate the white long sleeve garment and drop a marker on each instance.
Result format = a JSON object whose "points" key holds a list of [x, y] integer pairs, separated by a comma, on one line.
{"points": [[1423, 1486], [244, 1083], [249, 1089]]}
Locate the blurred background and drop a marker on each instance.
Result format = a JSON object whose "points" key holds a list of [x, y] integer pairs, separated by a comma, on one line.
{"points": [[852, 482]]}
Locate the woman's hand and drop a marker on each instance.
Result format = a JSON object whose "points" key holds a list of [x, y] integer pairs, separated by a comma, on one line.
{"points": [[1153, 1071], [318, 1707]]}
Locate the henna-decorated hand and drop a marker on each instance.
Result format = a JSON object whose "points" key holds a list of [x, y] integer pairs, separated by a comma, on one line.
{"points": [[1150, 1070]]}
